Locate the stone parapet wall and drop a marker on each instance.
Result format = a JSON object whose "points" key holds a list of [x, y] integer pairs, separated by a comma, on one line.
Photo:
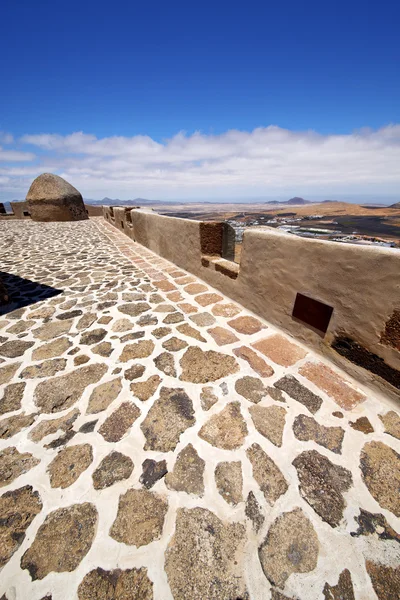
{"points": [[342, 299]]}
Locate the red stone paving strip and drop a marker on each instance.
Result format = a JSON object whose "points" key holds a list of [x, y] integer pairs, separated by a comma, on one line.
{"points": [[206, 299], [225, 310], [185, 280], [195, 288], [222, 336], [331, 383], [280, 350], [247, 325], [165, 286], [175, 296], [187, 308], [256, 362]]}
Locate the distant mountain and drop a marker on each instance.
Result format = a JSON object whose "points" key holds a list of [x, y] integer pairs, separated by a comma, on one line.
{"points": [[295, 200], [396, 205]]}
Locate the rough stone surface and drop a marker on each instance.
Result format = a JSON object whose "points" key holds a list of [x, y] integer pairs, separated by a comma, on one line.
{"points": [[169, 416], [362, 424], [14, 348], [141, 349], [207, 299], [211, 551], [161, 332], [201, 367], [134, 309], [49, 426], [145, 389], [269, 421], [227, 429], [12, 397], [247, 325], [385, 580], [140, 518], [187, 474], [52, 198], [207, 398], [307, 428], [203, 319], [299, 392], [12, 425], [114, 467], [291, 546], [380, 468], [18, 508], [93, 336], [119, 422], [86, 321], [190, 331], [391, 421], [251, 388], [268, 476], [51, 330], [222, 336], [118, 584], [174, 344], [8, 371], [322, 485], [152, 472], [69, 464], [256, 362], [13, 464], [62, 541], [48, 368], [165, 362], [280, 350], [59, 393], [52, 349], [229, 481], [253, 512], [329, 381], [343, 590], [134, 372], [103, 395]]}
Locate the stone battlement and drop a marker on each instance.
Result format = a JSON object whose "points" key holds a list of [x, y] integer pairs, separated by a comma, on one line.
{"points": [[341, 299]]}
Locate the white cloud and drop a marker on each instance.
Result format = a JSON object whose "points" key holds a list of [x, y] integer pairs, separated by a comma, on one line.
{"points": [[267, 161]]}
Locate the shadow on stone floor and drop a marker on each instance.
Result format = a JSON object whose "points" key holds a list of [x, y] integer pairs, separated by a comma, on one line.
{"points": [[24, 292]]}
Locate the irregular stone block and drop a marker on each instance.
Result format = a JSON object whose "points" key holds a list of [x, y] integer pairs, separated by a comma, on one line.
{"points": [[69, 464], [229, 481], [114, 467], [145, 389], [187, 474], [13, 464], [211, 551], [322, 485], [251, 388], [132, 584], [291, 546], [167, 419], [201, 367], [103, 395], [307, 428], [18, 508], [227, 429], [268, 476], [62, 541], [269, 421], [140, 518], [380, 468], [152, 472], [119, 422], [12, 397], [299, 392], [50, 426]]}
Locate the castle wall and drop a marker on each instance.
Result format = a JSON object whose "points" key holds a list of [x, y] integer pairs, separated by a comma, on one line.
{"points": [[342, 299]]}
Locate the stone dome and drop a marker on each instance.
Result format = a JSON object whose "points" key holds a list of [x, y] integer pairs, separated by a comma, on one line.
{"points": [[51, 198]]}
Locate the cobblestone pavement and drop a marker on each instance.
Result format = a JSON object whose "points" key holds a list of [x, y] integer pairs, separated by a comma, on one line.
{"points": [[159, 441]]}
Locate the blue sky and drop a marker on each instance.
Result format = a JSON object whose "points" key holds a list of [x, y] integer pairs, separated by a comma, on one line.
{"points": [[124, 69]]}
